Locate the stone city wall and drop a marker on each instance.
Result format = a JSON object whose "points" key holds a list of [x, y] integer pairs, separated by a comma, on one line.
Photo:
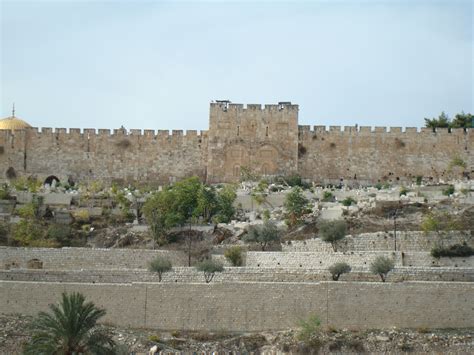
{"points": [[86, 258], [366, 156], [406, 241], [252, 306], [268, 140], [235, 274], [89, 154]]}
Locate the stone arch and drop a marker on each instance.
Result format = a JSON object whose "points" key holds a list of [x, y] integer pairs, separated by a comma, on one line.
{"points": [[10, 173], [266, 159], [236, 157], [49, 180]]}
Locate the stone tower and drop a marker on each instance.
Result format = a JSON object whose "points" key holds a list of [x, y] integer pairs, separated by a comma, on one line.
{"points": [[264, 140]]}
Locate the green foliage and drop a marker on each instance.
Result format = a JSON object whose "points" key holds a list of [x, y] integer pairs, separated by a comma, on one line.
{"points": [[225, 204], [247, 174], [294, 180], [419, 180], [332, 232], [234, 255], [382, 266], [4, 233], [449, 190], [266, 215], [461, 120], [259, 194], [309, 328], [210, 267], [440, 221], [328, 196], [30, 184], [349, 201], [263, 234], [456, 250], [70, 328], [59, 233], [161, 215], [338, 269], [160, 265], [403, 191], [296, 205], [5, 192]]}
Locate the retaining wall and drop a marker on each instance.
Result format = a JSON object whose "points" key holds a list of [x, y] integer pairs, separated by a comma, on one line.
{"points": [[236, 274], [87, 258], [259, 306]]}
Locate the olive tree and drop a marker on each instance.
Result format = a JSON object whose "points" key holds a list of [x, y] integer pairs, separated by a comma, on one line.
{"points": [[210, 267], [160, 265], [263, 234], [338, 269], [382, 266], [332, 232]]}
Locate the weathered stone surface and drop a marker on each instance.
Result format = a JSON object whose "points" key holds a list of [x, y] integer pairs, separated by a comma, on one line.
{"points": [[267, 140]]}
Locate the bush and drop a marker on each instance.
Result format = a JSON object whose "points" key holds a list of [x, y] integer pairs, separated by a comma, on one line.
{"points": [[382, 266], [5, 192], [449, 190], [332, 232], [419, 180], [296, 205], [349, 201], [403, 191], [210, 267], [309, 328], [328, 196], [455, 250], [338, 269], [160, 265], [234, 255], [59, 233]]}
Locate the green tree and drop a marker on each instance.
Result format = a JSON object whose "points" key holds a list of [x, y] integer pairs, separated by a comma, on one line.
{"points": [[382, 266], [442, 121], [70, 328], [207, 202], [225, 204], [332, 232], [263, 234], [296, 205], [160, 265], [463, 120], [161, 215], [210, 267], [338, 269]]}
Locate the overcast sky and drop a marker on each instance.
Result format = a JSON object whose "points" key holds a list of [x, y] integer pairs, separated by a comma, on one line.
{"points": [[152, 64]]}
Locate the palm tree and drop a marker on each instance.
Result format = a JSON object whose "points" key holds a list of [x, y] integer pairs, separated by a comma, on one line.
{"points": [[70, 329]]}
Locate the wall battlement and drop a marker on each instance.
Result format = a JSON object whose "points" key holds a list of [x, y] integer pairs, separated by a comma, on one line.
{"points": [[377, 130], [266, 139]]}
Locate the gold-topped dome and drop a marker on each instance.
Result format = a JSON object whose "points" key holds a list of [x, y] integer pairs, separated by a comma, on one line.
{"points": [[13, 122]]}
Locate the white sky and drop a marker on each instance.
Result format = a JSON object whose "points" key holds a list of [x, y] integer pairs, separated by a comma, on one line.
{"points": [[152, 64]]}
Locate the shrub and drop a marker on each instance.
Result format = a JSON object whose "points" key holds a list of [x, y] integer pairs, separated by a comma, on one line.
{"points": [[332, 232], [59, 233], [328, 196], [81, 215], [419, 180], [449, 190], [338, 269], [5, 192], [234, 255], [382, 266], [452, 251], [457, 161], [160, 265], [308, 328], [349, 201], [403, 191], [210, 267]]}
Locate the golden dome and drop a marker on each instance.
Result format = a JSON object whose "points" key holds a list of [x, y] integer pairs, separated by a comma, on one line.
{"points": [[13, 122]]}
